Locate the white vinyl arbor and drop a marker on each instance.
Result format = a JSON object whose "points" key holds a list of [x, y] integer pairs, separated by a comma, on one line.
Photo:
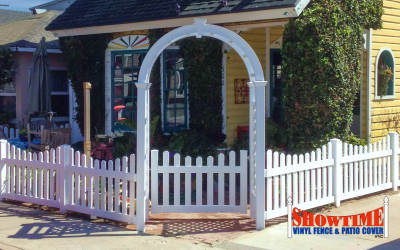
{"points": [[257, 86]]}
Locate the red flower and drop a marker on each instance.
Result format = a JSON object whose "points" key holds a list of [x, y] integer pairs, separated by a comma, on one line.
{"points": [[120, 198]]}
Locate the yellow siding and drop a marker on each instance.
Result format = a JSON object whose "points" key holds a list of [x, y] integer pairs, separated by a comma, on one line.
{"points": [[275, 33], [385, 114], [238, 114]]}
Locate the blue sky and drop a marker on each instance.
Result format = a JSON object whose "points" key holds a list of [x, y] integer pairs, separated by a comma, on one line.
{"points": [[22, 5]]}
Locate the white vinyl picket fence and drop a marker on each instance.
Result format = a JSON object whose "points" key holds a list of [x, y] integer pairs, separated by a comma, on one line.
{"points": [[10, 132], [190, 181], [64, 179], [335, 172]]}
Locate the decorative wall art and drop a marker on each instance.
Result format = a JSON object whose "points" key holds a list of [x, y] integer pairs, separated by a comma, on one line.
{"points": [[241, 91]]}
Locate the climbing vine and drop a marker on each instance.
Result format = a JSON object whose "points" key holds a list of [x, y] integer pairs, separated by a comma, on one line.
{"points": [[321, 61], [85, 59]]}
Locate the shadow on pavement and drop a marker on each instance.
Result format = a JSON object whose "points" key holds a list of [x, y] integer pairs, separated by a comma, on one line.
{"points": [[50, 225]]}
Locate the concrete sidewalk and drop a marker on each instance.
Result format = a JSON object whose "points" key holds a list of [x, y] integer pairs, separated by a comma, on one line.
{"points": [[28, 228], [275, 237]]}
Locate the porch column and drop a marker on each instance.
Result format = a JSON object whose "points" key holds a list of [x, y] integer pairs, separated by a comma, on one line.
{"points": [[257, 147], [142, 154]]}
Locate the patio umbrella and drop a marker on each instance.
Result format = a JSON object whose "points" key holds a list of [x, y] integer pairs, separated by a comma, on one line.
{"points": [[40, 86]]}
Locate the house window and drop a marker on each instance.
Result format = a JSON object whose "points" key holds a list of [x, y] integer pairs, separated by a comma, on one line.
{"points": [[175, 89], [276, 86], [385, 77], [125, 72], [8, 100], [59, 92]]}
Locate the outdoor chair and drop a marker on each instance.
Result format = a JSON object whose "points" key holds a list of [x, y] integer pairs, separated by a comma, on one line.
{"points": [[36, 128], [47, 135], [58, 137]]}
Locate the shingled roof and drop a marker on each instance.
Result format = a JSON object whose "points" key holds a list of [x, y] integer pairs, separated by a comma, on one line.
{"points": [[27, 32], [7, 16], [89, 13]]}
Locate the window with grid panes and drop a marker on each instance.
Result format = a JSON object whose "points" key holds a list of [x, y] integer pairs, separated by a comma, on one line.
{"points": [[276, 86], [174, 91], [125, 72]]}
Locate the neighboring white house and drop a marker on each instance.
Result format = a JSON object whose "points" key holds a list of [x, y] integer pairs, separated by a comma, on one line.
{"points": [[59, 5]]}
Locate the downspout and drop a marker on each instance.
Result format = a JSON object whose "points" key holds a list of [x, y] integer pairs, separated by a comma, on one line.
{"points": [[369, 73]]}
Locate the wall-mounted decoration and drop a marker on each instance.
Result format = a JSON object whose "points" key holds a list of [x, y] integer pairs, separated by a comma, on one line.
{"points": [[132, 42], [241, 91]]}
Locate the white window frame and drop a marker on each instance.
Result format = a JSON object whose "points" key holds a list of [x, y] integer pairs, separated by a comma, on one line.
{"points": [[386, 97]]}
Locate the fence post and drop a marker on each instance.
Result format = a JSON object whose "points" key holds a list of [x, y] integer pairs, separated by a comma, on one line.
{"points": [[289, 208], [3, 175], [142, 153], [394, 161], [154, 181], [337, 170], [386, 216], [63, 180]]}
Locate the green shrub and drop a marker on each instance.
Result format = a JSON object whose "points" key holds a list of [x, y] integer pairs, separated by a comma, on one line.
{"points": [[321, 69], [192, 143], [124, 145], [354, 140], [204, 74], [276, 135], [85, 61]]}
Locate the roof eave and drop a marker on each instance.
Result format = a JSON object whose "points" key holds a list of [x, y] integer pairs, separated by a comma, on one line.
{"points": [[44, 5], [276, 13]]}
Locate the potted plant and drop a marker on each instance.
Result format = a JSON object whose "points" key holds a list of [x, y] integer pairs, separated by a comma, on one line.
{"points": [[23, 135], [384, 75]]}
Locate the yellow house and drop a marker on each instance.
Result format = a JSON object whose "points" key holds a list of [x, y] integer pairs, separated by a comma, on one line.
{"points": [[381, 111], [261, 23]]}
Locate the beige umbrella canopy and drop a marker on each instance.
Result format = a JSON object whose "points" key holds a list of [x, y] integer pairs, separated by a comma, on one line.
{"points": [[40, 85]]}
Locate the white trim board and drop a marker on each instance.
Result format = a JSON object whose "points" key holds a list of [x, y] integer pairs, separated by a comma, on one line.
{"points": [[178, 22], [246, 27]]}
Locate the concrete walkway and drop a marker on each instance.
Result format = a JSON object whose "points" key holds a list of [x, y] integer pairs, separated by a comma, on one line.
{"points": [[28, 228], [275, 237]]}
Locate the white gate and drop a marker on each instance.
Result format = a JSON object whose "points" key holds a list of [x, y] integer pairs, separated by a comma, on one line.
{"points": [[199, 188]]}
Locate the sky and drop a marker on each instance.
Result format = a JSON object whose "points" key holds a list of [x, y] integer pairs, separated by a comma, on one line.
{"points": [[22, 5]]}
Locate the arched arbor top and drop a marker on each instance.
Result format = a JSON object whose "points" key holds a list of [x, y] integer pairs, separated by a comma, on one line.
{"points": [[199, 29]]}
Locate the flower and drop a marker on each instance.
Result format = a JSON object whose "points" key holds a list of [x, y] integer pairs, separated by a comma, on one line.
{"points": [[127, 200]]}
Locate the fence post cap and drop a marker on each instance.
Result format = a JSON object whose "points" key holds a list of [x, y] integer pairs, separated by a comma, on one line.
{"points": [[289, 200], [386, 200], [3, 141]]}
